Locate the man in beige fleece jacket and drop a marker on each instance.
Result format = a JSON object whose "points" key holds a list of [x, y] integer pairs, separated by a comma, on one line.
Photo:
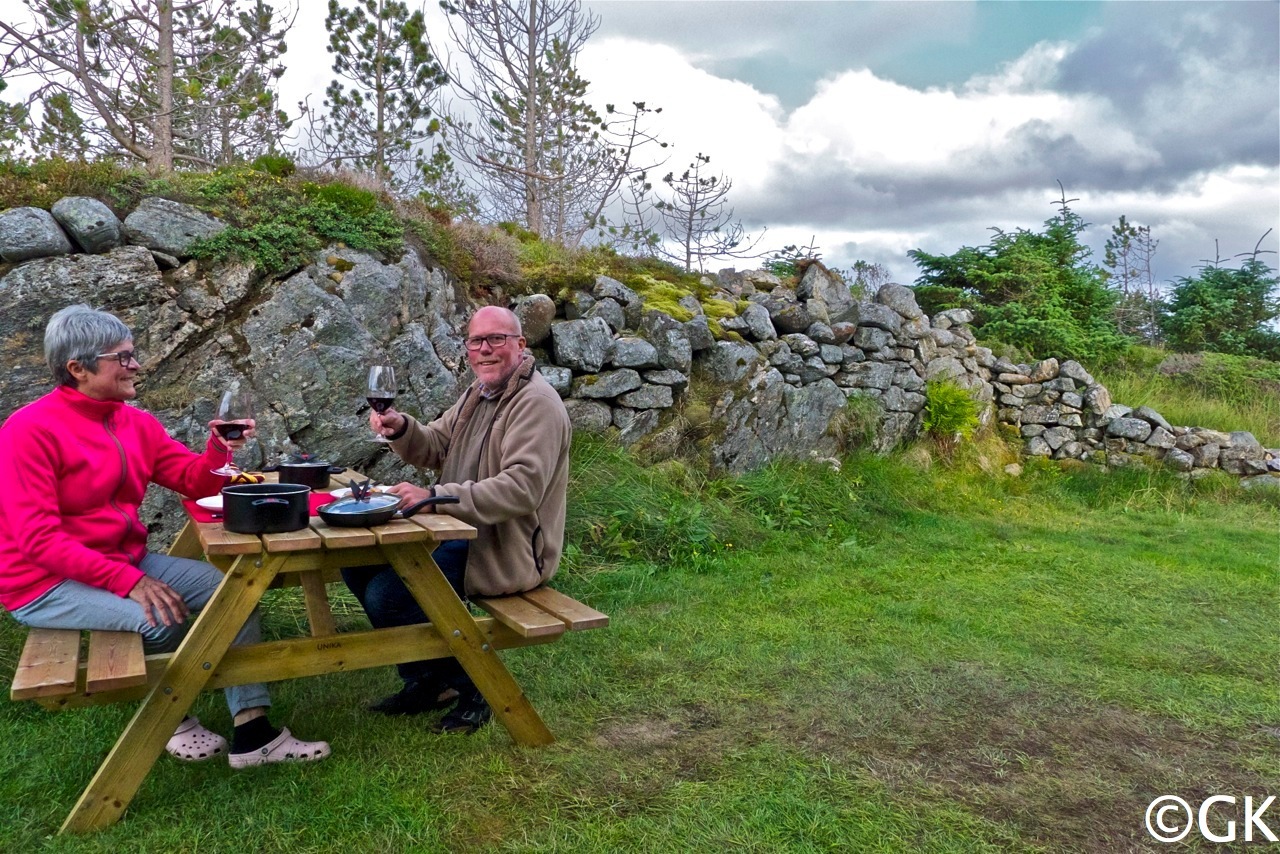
{"points": [[503, 451]]}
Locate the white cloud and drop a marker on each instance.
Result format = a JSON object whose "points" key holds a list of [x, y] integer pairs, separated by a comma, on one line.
{"points": [[732, 122]]}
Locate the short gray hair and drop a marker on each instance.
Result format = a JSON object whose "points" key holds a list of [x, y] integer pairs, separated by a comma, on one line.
{"points": [[79, 332]]}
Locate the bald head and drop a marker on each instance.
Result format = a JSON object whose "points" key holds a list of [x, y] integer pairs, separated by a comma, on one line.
{"points": [[490, 315]]}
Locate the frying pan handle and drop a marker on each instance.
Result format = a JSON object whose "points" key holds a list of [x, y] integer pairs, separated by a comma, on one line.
{"points": [[337, 469], [418, 505]]}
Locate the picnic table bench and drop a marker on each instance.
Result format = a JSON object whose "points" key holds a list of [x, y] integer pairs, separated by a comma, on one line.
{"points": [[59, 671]]}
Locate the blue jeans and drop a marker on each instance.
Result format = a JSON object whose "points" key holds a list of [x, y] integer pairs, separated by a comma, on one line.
{"points": [[73, 605], [389, 603]]}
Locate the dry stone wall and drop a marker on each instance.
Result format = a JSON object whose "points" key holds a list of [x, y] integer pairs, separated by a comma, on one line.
{"points": [[761, 381]]}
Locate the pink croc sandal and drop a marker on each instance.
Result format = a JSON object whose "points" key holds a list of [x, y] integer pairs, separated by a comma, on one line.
{"points": [[284, 748], [193, 743]]}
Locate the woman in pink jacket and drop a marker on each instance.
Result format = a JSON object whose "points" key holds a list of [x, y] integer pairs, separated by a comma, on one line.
{"points": [[75, 468]]}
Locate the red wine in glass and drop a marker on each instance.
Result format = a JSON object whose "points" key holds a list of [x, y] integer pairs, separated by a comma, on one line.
{"points": [[381, 402], [231, 429], [234, 410], [381, 392]]}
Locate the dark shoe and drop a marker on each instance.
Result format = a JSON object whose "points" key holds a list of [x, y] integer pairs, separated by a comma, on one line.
{"points": [[414, 699], [471, 713]]}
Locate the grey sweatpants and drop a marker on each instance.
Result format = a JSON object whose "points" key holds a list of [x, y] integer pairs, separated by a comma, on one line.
{"points": [[73, 605]]}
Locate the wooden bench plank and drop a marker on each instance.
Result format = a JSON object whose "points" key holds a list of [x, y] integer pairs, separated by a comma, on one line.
{"points": [[115, 661], [576, 616], [48, 664], [522, 617]]}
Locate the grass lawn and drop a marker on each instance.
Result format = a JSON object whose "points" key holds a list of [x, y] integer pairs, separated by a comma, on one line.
{"points": [[888, 658]]}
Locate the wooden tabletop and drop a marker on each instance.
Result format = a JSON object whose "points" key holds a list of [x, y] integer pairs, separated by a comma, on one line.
{"points": [[217, 540]]}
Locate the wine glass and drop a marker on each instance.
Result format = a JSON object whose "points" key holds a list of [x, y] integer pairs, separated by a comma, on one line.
{"points": [[234, 411], [382, 391]]}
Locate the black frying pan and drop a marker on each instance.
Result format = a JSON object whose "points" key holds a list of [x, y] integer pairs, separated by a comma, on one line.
{"points": [[376, 509]]}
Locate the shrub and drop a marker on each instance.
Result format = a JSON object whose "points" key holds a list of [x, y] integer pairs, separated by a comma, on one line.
{"points": [[486, 256], [1036, 290], [274, 164], [950, 413], [1226, 311], [43, 182]]}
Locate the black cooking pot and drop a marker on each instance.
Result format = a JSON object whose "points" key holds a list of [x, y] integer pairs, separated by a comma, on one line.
{"points": [[265, 508], [376, 509], [306, 469]]}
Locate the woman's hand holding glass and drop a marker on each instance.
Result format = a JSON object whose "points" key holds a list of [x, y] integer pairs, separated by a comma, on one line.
{"points": [[241, 439]]}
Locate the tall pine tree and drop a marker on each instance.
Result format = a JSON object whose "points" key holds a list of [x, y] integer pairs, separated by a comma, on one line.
{"points": [[378, 114]]}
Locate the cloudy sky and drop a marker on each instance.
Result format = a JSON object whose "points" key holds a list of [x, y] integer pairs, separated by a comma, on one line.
{"points": [[883, 127], [873, 128]]}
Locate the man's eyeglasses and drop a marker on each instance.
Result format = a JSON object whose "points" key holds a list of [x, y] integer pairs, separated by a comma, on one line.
{"points": [[495, 341], [124, 357]]}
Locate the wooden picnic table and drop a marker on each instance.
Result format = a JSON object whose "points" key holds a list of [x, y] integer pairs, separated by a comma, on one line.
{"points": [[310, 557]]}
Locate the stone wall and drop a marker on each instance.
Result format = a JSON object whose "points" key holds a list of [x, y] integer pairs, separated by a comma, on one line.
{"points": [[764, 379]]}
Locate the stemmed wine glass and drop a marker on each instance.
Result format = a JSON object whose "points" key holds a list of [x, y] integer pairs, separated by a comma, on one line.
{"points": [[382, 391], [235, 411]]}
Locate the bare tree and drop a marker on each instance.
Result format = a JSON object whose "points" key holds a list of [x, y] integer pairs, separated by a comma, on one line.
{"points": [[540, 153], [697, 217], [1128, 255], [136, 72]]}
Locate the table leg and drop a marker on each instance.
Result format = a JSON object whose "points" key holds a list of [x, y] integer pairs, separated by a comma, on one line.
{"points": [[187, 543], [127, 765], [316, 599], [413, 562]]}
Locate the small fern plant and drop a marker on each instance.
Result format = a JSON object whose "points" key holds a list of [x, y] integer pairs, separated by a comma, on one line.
{"points": [[950, 414]]}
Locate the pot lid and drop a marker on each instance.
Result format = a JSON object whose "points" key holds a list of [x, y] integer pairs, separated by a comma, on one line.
{"points": [[377, 501]]}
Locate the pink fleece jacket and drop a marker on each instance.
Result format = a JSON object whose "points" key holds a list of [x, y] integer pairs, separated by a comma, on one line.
{"points": [[73, 471]]}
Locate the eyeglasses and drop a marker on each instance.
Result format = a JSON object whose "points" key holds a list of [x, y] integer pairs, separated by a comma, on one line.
{"points": [[495, 341], [124, 357]]}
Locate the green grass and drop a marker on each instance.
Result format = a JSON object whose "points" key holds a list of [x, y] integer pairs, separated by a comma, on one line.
{"points": [[888, 658], [1201, 390]]}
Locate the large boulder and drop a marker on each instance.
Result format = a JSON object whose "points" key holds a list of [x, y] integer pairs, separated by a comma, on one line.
{"points": [[168, 226], [768, 419], [820, 284], [901, 299], [90, 223], [536, 312], [124, 281], [669, 339], [582, 345], [27, 233]]}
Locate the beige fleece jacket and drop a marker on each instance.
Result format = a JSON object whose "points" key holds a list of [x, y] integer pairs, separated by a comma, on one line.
{"points": [[516, 500]]}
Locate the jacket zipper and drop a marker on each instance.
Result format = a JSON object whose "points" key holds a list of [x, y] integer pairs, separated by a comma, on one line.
{"points": [[124, 470]]}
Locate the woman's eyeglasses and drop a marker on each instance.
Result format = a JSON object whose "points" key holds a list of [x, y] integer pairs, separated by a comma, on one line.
{"points": [[124, 357], [495, 341]]}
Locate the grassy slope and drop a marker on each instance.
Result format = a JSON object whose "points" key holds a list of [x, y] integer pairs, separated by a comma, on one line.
{"points": [[883, 659]]}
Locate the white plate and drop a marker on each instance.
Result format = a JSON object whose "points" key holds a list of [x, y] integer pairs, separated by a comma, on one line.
{"points": [[344, 492], [213, 502]]}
